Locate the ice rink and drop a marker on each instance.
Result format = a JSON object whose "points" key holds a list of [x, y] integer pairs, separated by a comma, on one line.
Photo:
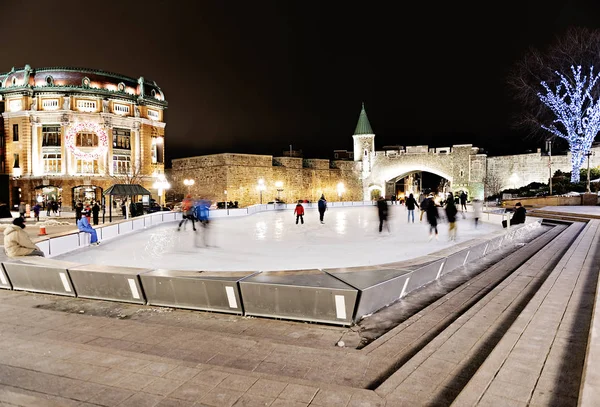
{"points": [[272, 241]]}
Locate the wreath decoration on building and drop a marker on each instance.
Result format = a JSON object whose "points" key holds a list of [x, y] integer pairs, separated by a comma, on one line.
{"points": [[89, 127]]}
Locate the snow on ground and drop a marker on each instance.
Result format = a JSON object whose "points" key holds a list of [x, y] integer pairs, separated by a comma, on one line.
{"points": [[272, 241]]}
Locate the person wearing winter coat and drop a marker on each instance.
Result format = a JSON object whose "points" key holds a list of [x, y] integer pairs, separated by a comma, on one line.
{"points": [[18, 243], [382, 210], [451, 212], [322, 207], [477, 208], [95, 212], [518, 217], [410, 203], [36, 211], [83, 225], [299, 212], [432, 216], [22, 209]]}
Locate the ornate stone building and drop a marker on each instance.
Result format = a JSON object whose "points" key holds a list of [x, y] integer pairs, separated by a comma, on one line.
{"points": [[70, 133]]}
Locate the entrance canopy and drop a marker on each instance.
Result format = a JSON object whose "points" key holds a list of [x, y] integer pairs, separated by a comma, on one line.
{"points": [[126, 190]]}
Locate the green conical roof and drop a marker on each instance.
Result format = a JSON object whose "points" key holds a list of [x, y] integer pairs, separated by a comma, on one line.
{"points": [[363, 126]]}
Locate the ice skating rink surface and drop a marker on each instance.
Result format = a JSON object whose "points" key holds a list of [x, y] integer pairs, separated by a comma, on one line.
{"points": [[272, 241]]}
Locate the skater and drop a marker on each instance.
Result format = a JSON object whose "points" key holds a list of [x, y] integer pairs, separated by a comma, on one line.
{"points": [[17, 243], [518, 217], [451, 212], [83, 225], [463, 201], [188, 213], [36, 211], [477, 208], [95, 212], [432, 216], [201, 212], [299, 212], [382, 210], [410, 207], [393, 199], [322, 207]]}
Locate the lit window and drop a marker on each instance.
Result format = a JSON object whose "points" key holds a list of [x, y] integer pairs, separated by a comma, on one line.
{"points": [[50, 104], [86, 140], [52, 163], [121, 109], [121, 164], [153, 114], [86, 105], [87, 167], [51, 136], [122, 139]]}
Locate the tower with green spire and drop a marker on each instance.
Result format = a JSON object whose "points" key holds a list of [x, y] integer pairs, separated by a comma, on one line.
{"points": [[364, 141]]}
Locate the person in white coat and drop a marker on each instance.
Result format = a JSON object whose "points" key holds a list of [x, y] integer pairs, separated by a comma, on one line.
{"points": [[18, 243]]}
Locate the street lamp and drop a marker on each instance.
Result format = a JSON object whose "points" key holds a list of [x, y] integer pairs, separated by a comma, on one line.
{"points": [[513, 180], [161, 185], [188, 183], [279, 186], [588, 154], [261, 187], [340, 189]]}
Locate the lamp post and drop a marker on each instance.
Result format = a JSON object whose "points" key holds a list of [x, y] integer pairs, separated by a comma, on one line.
{"points": [[279, 186], [340, 189], [549, 148], [261, 187], [188, 183], [588, 154], [161, 185]]}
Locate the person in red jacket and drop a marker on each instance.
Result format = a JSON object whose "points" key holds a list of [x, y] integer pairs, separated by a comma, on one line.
{"points": [[299, 212]]}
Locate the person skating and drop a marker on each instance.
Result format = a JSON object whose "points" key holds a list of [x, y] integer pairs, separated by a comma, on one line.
{"points": [[95, 212], [322, 207], [17, 243], [83, 225], [299, 212], [518, 217], [36, 211], [432, 216], [477, 208], [410, 203], [187, 207], [422, 206], [451, 212], [463, 201], [382, 210]]}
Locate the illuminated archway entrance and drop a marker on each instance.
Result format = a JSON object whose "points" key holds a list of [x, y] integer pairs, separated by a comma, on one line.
{"points": [[86, 194]]}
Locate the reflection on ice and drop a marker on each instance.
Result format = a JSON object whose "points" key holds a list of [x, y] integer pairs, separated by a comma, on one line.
{"points": [[273, 241]]}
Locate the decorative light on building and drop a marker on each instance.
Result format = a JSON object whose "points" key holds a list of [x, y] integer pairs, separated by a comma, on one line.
{"points": [[161, 184], [260, 187], [279, 186], [576, 111], [87, 127], [340, 189]]}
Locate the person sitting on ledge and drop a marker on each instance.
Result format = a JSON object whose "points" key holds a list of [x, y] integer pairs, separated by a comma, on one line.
{"points": [[83, 225], [518, 217], [18, 243]]}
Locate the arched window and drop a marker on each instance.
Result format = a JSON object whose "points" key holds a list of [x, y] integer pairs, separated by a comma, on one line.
{"points": [[86, 140]]}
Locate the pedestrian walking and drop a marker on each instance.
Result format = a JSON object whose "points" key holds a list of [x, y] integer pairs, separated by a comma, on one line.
{"points": [[299, 212], [432, 217], [322, 207], [410, 203], [382, 210], [451, 212], [48, 207], [22, 209]]}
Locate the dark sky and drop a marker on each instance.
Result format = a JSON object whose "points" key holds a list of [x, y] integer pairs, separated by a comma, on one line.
{"points": [[257, 76]]}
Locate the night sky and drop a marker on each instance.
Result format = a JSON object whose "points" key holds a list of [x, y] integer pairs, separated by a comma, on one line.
{"points": [[257, 76]]}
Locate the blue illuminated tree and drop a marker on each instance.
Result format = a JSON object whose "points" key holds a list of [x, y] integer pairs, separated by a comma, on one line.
{"points": [[576, 111]]}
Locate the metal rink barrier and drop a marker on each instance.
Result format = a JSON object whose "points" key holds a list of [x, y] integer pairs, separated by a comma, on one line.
{"points": [[41, 275], [378, 286], [199, 290], [108, 282], [305, 295], [4, 281]]}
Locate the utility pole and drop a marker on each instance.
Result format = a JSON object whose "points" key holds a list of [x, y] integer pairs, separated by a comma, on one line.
{"points": [[549, 148]]}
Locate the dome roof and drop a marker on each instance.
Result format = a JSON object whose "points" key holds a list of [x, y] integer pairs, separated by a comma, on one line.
{"points": [[61, 79]]}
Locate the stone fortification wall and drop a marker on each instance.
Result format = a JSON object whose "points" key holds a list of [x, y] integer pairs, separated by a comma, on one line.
{"points": [[238, 174]]}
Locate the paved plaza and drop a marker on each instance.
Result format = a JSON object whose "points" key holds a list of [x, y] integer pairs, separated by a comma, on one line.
{"points": [[513, 335]]}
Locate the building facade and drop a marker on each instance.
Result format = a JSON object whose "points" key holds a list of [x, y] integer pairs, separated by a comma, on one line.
{"points": [[70, 133]]}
